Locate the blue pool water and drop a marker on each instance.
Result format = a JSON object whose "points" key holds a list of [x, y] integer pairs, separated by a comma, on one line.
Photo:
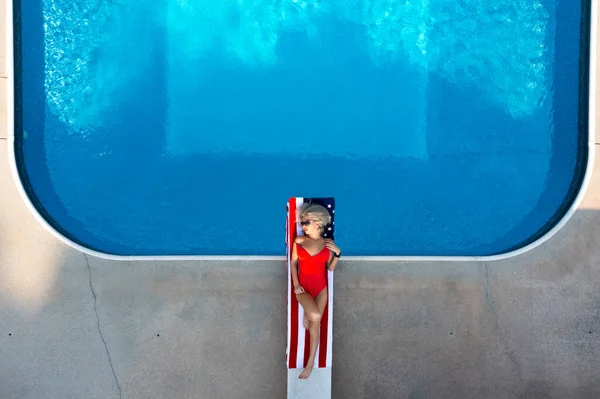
{"points": [[441, 127]]}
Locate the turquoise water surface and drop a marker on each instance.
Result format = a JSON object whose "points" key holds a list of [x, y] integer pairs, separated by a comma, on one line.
{"points": [[441, 127]]}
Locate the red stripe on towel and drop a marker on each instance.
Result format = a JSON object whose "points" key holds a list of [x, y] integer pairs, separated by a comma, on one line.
{"points": [[323, 336], [294, 305], [306, 347]]}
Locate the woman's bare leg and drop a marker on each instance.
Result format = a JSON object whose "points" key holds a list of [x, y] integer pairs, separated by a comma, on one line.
{"points": [[315, 313]]}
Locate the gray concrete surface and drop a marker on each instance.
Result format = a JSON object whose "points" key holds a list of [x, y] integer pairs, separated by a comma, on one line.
{"points": [[3, 31], [3, 108]]}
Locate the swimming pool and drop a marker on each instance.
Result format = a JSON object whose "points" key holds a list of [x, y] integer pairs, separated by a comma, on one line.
{"points": [[172, 127]]}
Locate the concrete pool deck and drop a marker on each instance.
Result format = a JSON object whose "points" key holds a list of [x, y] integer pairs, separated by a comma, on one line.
{"points": [[77, 326]]}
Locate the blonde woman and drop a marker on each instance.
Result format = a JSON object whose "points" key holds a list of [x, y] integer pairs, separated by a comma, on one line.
{"points": [[312, 256]]}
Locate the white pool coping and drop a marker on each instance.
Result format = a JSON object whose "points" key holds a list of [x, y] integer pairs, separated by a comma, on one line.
{"points": [[582, 191]]}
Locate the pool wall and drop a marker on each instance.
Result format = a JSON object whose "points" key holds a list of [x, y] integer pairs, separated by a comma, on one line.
{"points": [[52, 204]]}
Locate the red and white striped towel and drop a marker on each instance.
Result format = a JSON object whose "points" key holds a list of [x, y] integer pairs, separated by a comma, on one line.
{"points": [[298, 339]]}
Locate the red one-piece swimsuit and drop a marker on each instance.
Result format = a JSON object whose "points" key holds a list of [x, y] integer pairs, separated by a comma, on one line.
{"points": [[312, 270]]}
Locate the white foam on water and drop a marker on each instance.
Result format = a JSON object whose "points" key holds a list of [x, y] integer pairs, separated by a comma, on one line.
{"points": [[94, 48]]}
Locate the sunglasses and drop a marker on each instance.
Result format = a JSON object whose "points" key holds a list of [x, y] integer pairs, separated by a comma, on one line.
{"points": [[305, 222]]}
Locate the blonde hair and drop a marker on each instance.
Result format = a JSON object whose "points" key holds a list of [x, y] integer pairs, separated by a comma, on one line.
{"points": [[314, 212]]}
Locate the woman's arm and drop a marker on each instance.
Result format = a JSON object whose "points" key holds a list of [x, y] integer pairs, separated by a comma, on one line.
{"points": [[333, 249], [294, 266], [332, 263]]}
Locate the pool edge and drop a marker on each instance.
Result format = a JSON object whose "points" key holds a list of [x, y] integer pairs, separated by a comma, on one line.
{"points": [[587, 174]]}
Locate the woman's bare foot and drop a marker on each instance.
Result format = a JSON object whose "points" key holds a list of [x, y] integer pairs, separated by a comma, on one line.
{"points": [[305, 321], [306, 372]]}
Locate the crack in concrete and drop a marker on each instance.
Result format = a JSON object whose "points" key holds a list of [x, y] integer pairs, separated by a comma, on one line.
{"points": [[487, 285], [100, 330], [490, 303]]}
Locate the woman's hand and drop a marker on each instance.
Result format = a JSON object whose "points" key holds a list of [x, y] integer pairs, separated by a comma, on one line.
{"points": [[298, 289], [332, 246]]}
